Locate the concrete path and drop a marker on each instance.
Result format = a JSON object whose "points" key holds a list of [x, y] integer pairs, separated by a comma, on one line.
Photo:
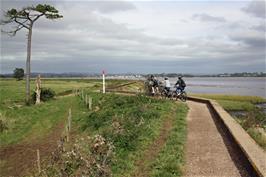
{"points": [[208, 151]]}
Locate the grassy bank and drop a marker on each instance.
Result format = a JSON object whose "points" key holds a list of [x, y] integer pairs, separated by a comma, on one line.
{"points": [[125, 125], [170, 161], [122, 128], [131, 124], [246, 112]]}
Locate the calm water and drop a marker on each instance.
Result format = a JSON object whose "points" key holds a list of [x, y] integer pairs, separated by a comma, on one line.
{"points": [[253, 86]]}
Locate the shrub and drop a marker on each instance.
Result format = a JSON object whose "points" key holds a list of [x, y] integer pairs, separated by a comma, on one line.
{"points": [[89, 156], [18, 73], [46, 94]]}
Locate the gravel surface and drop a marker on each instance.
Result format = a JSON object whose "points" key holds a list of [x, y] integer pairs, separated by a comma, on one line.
{"points": [[208, 151]]}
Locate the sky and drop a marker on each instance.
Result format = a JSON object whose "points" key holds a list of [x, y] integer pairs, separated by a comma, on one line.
{"points": [[193, 36]]}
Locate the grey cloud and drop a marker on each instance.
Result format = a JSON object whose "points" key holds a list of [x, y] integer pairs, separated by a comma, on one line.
{"points": [[95, 64], [208, 18], [260, 27], [256, 8], [112, 6], [93, 41], [255, 41]]}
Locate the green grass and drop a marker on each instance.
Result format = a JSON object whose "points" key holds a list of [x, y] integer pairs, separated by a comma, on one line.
{"points": [[32, 122], [230, 105], [131, 124], [250, 99], [170, 161], [259, 136], [27, 122], [12, 91]]}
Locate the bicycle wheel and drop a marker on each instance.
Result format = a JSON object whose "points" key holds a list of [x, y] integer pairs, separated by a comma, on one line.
{"points": [[174, 96], [183, 96], [162, 94]]}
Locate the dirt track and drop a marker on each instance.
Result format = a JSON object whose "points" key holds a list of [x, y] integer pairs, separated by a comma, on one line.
{"points": [[208, 150], [20, 158]]}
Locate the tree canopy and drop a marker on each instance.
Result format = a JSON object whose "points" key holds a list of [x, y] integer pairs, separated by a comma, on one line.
{"points": [[18, 73], [25, 17]]}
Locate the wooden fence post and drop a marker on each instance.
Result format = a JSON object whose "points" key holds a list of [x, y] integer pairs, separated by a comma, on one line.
{"points": [[90, 103], [69, 119], [67, 134], [69, 124], [38, 161], [86, 100]]}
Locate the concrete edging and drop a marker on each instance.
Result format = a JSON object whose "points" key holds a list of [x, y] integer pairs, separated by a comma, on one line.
{"points": [[253, 152]]}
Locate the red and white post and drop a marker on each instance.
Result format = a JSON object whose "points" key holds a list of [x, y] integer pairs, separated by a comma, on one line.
{"points": [[103, 81]]}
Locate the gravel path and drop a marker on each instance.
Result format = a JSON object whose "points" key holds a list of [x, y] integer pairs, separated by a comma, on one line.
{"points": [[208, 152]]}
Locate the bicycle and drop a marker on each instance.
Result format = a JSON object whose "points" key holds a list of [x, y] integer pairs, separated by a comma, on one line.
{"points": [[182, 95], [164, 92]]}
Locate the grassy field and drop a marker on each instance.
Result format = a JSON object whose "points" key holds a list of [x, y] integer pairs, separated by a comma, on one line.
{"points": [[22, 121], [127, 125], [252, 118]]}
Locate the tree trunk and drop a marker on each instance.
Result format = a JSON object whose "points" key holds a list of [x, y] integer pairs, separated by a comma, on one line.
{"points": [[28, 66], [38, 90]]}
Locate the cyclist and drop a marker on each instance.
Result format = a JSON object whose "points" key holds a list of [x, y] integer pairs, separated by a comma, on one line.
{"points": [[153, 84], [156, 85], [167, 85], [180, 85]]}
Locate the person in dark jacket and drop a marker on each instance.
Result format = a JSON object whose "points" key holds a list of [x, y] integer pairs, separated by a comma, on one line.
{"points": [[180, 85], [154, 84]]}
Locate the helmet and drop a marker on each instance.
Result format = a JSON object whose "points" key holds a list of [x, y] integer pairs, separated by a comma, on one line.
{"points": [[180, 77], [152, 76], [165, 78]]}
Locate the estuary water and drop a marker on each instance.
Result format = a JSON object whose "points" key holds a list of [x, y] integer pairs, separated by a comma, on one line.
{"points": [[252, 86]]}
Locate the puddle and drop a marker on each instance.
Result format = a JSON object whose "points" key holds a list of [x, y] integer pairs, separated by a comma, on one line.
{"points": [[261, 106], [238, 114]]}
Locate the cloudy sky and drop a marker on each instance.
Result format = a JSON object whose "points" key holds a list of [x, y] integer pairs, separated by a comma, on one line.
{"points": [[142, 37]]}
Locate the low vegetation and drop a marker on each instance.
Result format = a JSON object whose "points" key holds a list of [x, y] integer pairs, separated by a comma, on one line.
{"points": [[246, 112], [109, 139], [171, 159], [131, 124], [46, 94]]}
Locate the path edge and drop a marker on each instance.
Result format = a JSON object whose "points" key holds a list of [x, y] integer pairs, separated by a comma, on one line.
{"points": [[251, 150]]}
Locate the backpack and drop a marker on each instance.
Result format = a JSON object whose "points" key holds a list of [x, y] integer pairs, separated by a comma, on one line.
{"points": [[183, 84]]}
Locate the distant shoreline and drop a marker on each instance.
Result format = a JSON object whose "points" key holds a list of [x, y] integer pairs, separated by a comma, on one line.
{"points": [[137, 75]]}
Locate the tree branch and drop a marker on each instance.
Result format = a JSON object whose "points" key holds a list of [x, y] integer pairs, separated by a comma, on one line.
{"points": [[16, 30], [12, 33], [21, 17], [38, 16], [22, 24]]}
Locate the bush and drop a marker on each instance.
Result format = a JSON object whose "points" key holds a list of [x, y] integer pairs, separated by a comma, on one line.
{"points": [[46, 94], [18, 73], [91, 156]]}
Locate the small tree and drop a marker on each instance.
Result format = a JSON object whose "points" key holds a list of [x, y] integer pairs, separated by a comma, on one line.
{"points": [[24, 19], [18, 73]]}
